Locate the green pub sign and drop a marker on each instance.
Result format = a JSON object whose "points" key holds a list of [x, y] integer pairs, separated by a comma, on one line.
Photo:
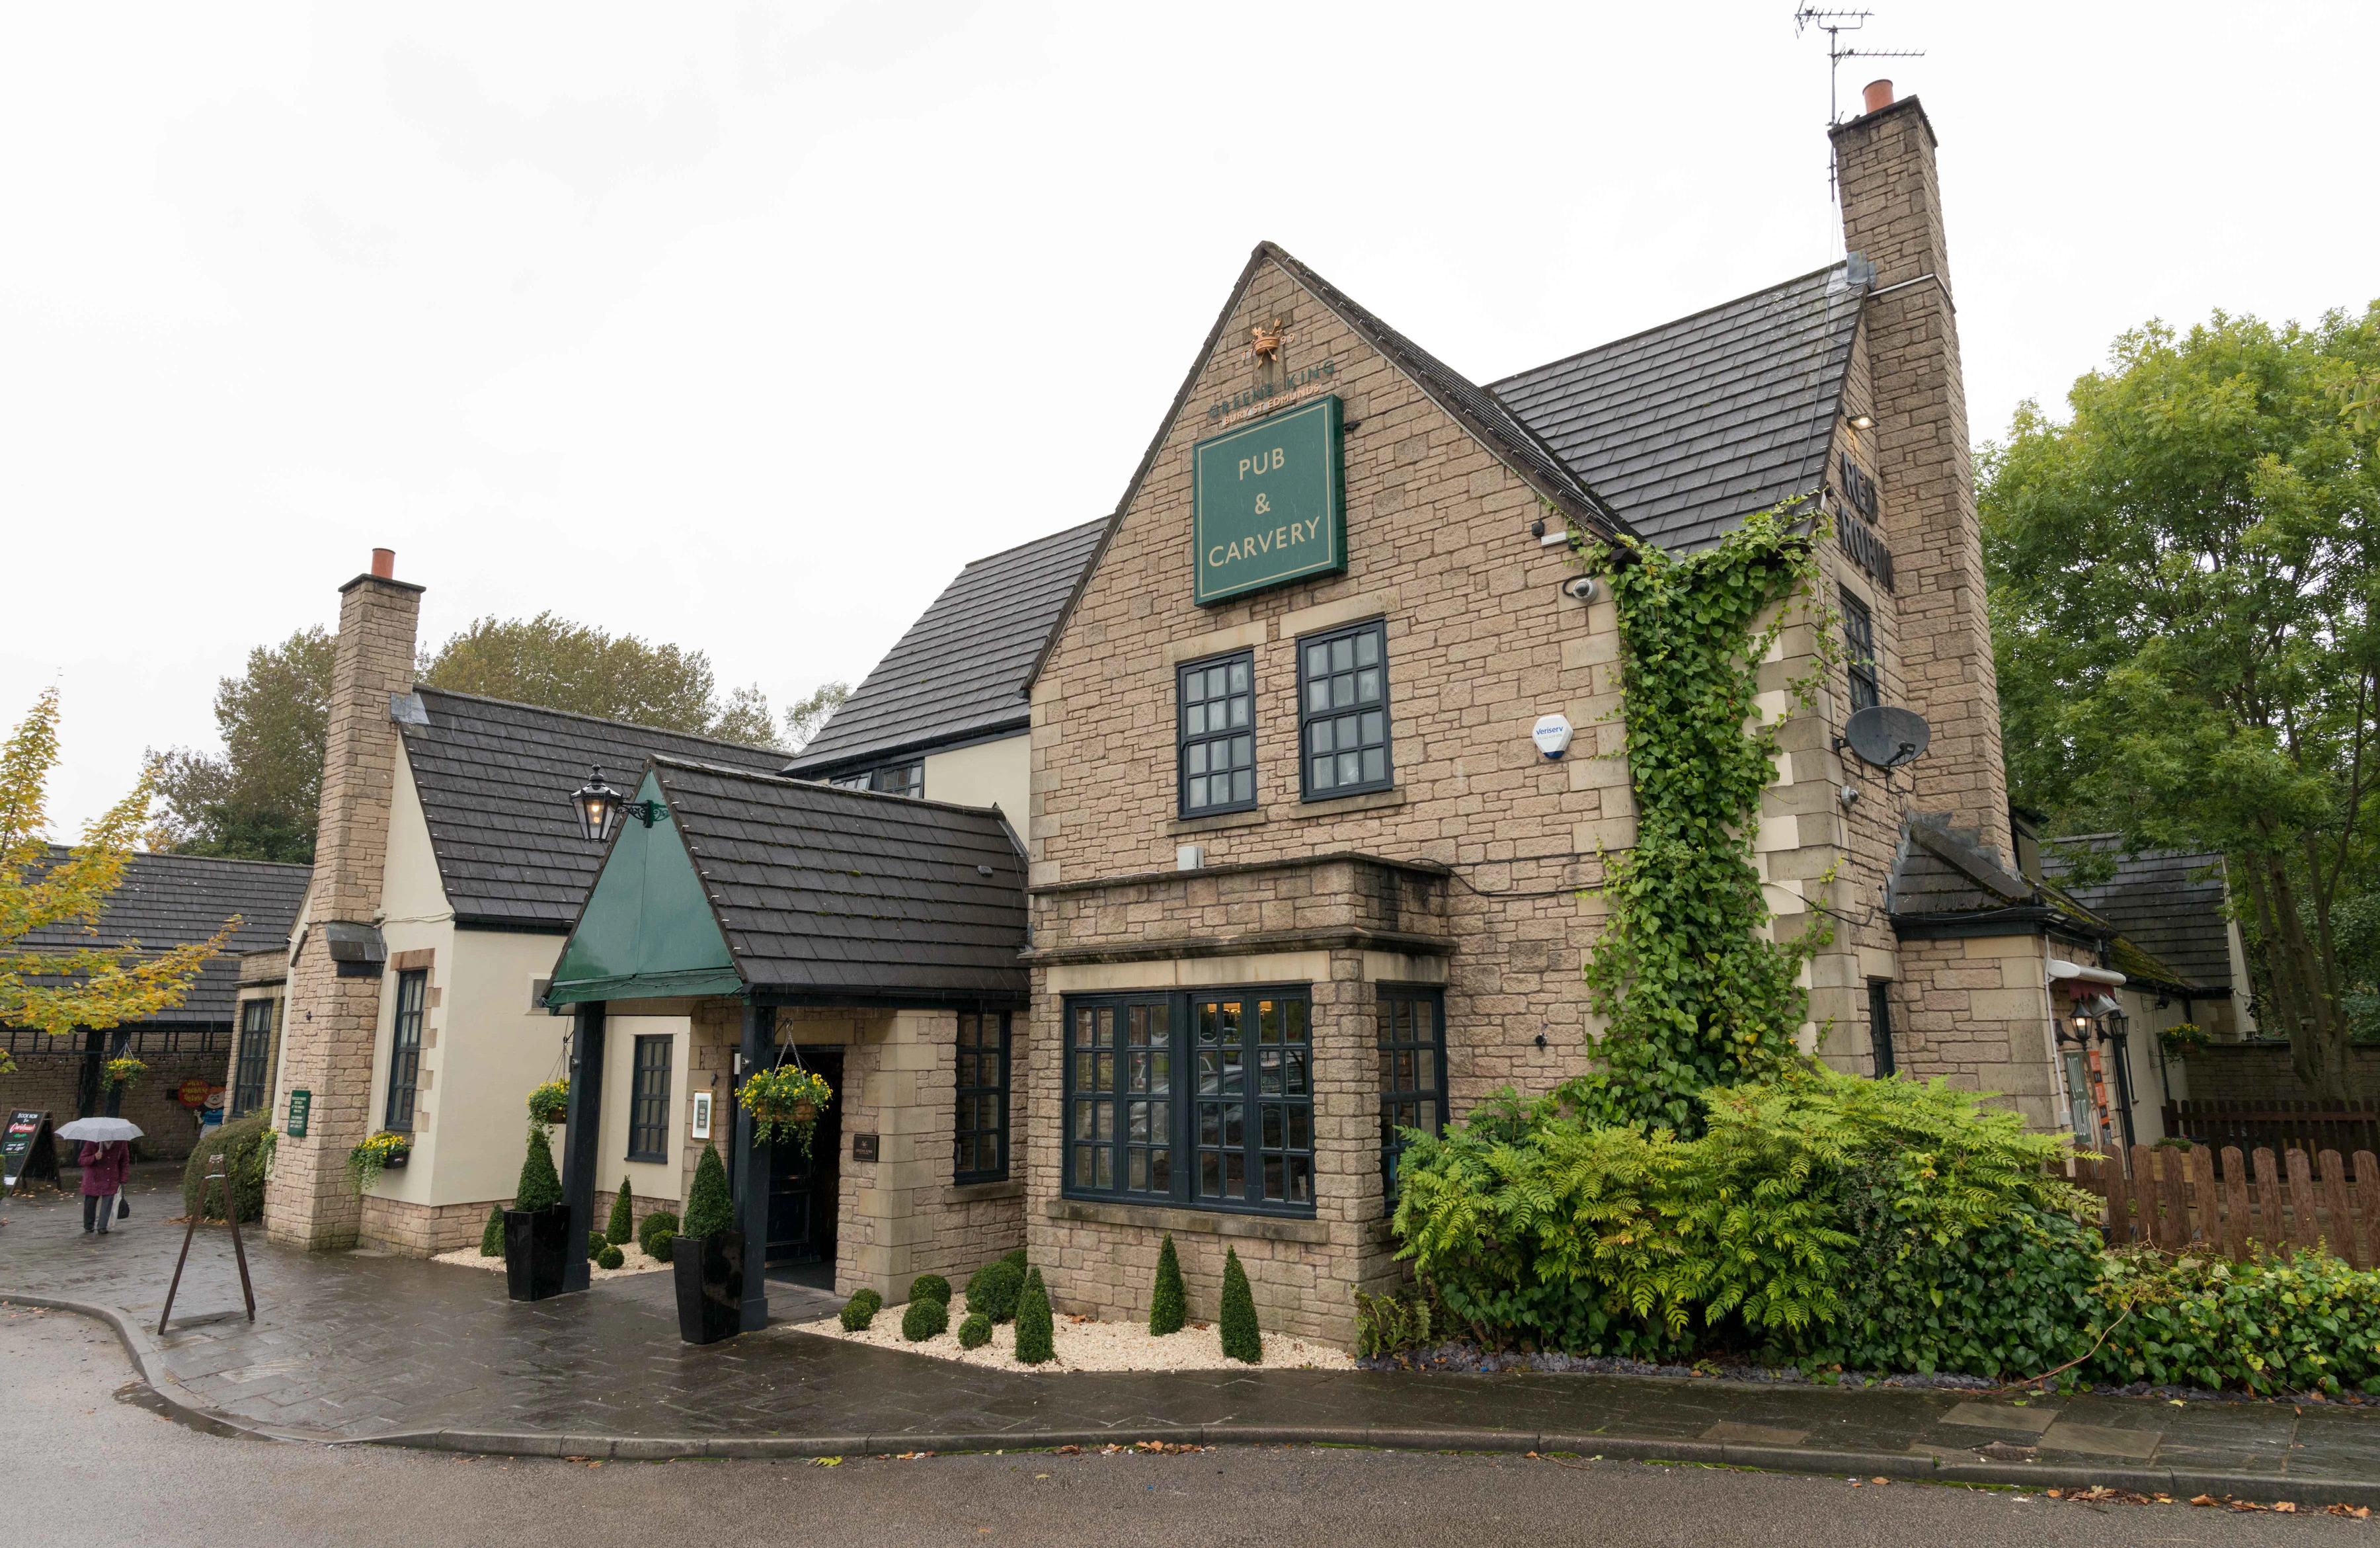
{"points": [[301, 1107], [1270, 504]]}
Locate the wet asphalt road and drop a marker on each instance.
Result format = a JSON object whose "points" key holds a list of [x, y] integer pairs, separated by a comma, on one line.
{"points": [[82, 1463]]}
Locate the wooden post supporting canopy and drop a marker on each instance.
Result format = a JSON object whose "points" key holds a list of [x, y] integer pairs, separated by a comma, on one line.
{"points": [[751, 1168], [580, 1155]]}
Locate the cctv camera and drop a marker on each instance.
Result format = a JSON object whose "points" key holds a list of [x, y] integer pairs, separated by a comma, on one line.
{"points": [[1580, 588]]}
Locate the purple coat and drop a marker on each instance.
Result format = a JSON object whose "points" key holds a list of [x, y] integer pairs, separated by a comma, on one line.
{"points": [[104, 1166]]}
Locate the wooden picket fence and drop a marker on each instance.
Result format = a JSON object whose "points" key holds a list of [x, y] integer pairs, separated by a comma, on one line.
{"points": [[2314, 1126], [2178, 1200]]}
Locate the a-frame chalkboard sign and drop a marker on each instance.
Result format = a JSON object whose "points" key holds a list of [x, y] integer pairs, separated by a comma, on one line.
{"points": [[27, 1150]]}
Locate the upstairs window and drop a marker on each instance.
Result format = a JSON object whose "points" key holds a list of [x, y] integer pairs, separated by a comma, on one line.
{"points": [[1342, 711], [1858, 654], [1217, 736], [894, 779]]}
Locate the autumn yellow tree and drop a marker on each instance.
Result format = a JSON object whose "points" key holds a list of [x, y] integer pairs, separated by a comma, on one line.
{"points": [[55, 973]]}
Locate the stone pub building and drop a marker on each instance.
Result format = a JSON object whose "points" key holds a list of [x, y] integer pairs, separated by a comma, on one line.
{"points": [[1291, 872]]}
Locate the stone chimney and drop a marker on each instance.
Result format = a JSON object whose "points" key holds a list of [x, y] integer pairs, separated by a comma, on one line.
{"points": [[1892, 215], [333, 1006]]}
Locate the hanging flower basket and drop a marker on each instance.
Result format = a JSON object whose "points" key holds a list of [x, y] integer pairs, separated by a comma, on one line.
{"points": [[785, 1102], [550, 1103], [124, 1072], [380, 1153]]}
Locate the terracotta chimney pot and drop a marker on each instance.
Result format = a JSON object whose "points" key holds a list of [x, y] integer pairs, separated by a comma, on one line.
{"points": [[1879, 95], [384, 561]]}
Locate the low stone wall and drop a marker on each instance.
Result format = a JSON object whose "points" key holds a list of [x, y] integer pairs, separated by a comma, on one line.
{"points": [[2261, 1072]]}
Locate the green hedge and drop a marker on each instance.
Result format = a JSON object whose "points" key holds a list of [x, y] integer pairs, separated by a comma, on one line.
{"points": [[2302, 1324], [246, 1151]]}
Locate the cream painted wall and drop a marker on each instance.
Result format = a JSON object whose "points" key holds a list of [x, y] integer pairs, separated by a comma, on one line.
{"points": [[491, 1045], [417, 918], [648, 1179], [988, 774]]}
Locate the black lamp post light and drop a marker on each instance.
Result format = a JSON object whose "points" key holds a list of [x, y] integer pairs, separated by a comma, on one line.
{"points": [[599, 809]]}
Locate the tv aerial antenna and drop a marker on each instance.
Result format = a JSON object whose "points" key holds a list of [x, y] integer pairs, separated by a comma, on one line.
{"points": [[1834, 24]]}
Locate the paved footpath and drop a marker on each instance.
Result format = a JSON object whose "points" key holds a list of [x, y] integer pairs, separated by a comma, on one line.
{"points": [[359, 1347]]}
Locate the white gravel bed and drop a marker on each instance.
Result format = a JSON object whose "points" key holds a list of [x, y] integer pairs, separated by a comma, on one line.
{"points": [[632, 1260], [1084, 1343]]}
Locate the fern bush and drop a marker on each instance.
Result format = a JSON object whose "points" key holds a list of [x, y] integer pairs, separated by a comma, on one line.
{"points": [[1538, 1224]]}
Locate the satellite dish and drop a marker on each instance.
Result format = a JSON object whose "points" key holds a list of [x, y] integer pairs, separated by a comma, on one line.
{"points": [[1886, 735]]}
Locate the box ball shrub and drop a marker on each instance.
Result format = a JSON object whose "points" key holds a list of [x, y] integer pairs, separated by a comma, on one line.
{"points": [[1167, 1306], [976, 1332], [623, 1217], [492, 1236], [1241, 1341], [596, 1244], [660, 1246], [1036, 1335], [1017, 1258], [860, 1311], [658, 1224], [995, 1289], [611, 1257], [930, 1287], [925, 1319]]}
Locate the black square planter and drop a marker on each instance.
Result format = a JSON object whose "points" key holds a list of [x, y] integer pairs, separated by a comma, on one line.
{"points": [[535, 1241], [710, 1287]]}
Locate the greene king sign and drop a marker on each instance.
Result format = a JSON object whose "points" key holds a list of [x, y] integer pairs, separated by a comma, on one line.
{"points": [[1269, 503]]}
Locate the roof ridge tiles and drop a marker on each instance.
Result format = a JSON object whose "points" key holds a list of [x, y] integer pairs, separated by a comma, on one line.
{"points": [[594, 720], [1666, 327]]}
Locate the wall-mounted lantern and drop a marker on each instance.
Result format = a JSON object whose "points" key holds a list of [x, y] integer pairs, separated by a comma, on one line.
{"points": [[599, 807]]}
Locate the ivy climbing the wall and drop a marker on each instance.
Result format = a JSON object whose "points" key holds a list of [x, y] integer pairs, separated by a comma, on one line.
{"points": [[1696, 996]]}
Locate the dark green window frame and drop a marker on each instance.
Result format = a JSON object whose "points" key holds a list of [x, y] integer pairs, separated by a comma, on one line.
{"points": [[1410, 1034], [1858, 654], [1215, 734], [893, 779], [980, 1150], [1199, 1099], [1880, 1027], [1342, 712], [255, 1058], [405, 1048], [649, 1097]]}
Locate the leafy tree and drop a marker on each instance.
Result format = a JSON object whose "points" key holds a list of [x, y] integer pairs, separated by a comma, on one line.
{"points": [[2183, 576], [562, 665], [257, 798], [807, 716], [56, 988]]}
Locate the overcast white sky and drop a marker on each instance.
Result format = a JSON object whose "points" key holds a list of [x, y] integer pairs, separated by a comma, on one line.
{"points": [[746, 327]]}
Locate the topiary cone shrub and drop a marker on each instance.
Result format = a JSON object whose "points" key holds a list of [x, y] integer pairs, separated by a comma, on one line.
{"points": [[709, 1212], [925, 1319], [540, 1185], [1036, 1336], [624, 1217], [1168, 1306], [709, 1261], [1241, 1340], [537, 1229], [492, 1239]]}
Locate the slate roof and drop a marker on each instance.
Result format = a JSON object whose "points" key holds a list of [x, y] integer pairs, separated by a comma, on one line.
{"points": [[2168, 902], [1690, 427], [172, 900], [844, 896], [962, 669], [1944, 870], [494, 779], [1477, 410]]}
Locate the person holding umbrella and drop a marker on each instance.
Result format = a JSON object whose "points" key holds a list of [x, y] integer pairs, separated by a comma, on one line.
{"points": [[105, 1157]]}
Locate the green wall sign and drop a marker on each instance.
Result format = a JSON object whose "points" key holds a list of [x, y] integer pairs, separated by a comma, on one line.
{"points": [[1270, 504], [301, 1107]]}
